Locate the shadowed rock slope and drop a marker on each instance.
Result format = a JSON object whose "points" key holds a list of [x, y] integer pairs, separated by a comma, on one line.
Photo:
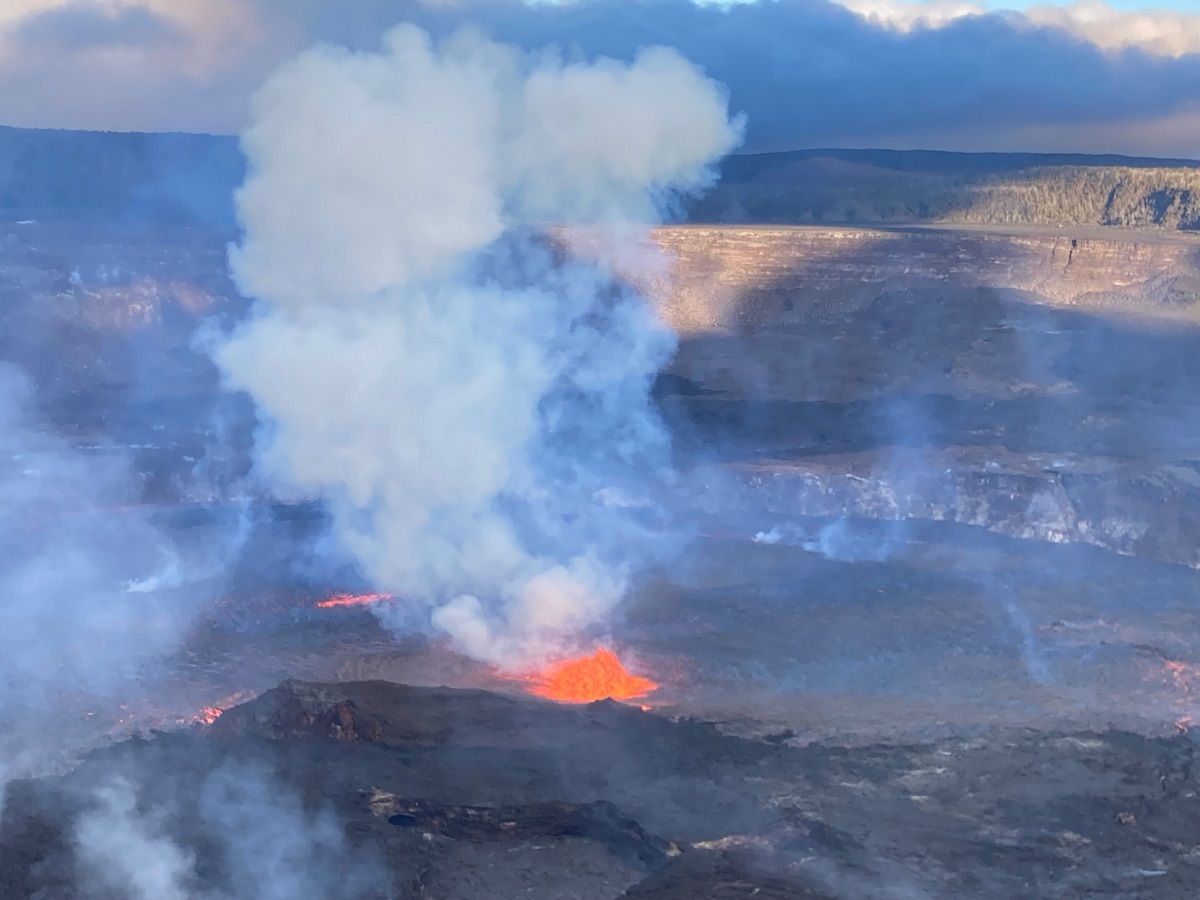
{"points": [[470, 794]]}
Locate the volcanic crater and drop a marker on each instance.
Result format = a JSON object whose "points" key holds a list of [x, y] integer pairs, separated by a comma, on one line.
{"points": [[934, 633]]}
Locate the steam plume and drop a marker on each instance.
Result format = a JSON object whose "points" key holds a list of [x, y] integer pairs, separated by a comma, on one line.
{"points": [[128, 852], [470, 403], [264, 843], [65, 620]]}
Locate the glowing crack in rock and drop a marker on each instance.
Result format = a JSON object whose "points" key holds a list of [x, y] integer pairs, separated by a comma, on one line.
{"points": [[336, 600]]}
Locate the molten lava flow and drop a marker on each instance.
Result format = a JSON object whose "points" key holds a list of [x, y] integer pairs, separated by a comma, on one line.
{"points": [[1185, 675], [1185, 678], [209, 714], [597, 677], [336, 600]]}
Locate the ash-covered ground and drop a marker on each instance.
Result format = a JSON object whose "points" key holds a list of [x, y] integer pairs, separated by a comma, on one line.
{"points": [[933, 633], [445, 793]]}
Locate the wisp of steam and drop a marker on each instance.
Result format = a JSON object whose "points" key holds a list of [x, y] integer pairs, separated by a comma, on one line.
{"points": [[474, 405], [67, 621], [267, 844], [82, 616]]}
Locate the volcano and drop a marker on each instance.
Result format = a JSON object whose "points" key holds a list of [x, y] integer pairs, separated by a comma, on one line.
{"points": [[935, 636]]}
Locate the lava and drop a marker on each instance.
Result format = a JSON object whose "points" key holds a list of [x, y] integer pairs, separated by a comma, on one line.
{"points": [[597, 677], [1186, 676], [209, 714], [336, 600]]}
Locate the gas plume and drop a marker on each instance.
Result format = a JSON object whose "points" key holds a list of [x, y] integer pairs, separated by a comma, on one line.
{"points": [[473, 405], [73, 548], [265, 844]]}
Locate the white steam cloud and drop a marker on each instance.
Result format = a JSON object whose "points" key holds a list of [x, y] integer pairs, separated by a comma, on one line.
{"points": [[464, 397], [128, 851], [71, 545], [266, 844]]}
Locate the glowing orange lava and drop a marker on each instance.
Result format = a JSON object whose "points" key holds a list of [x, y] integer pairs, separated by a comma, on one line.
{"points": [[597, 677], [210, 714], [1185, 675], [336, 600]]}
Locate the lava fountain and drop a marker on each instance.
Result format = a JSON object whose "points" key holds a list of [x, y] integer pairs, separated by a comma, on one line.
{"points": [[597, 677], [209, 714]]}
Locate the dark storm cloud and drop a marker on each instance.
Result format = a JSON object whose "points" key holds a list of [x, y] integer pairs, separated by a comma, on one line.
{"points": [[810, 72], [83, 26]]}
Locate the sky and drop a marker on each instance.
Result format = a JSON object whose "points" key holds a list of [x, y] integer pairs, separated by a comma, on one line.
{"points": [[1087, 76], [1177, 5]]}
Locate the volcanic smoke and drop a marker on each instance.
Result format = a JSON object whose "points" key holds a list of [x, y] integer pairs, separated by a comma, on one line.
{"points": [[467, 401]]}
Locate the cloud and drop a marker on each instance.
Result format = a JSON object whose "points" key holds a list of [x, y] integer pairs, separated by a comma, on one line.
{"points": [[1159, 31], [816, 74], [153, 65], [79, 26], [944, 73], [904, 15]]}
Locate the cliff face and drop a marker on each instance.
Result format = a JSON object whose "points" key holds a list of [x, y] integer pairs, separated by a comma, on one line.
{"points": [[721, 279], [809, 359], [1039, 385], [875, 187]]}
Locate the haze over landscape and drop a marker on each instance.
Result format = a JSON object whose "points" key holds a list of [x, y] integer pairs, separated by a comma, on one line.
{"points": [[599, 449]]}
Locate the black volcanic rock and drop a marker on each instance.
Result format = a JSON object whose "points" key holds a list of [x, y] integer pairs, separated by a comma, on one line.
{"points": [[471, 794]]}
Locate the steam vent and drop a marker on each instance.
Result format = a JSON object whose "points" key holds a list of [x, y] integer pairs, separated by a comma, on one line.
{"points": [[482, 451]]}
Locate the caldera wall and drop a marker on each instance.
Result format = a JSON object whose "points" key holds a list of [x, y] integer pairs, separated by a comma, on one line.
{"points": [[734, 277], [1037, 383]]}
